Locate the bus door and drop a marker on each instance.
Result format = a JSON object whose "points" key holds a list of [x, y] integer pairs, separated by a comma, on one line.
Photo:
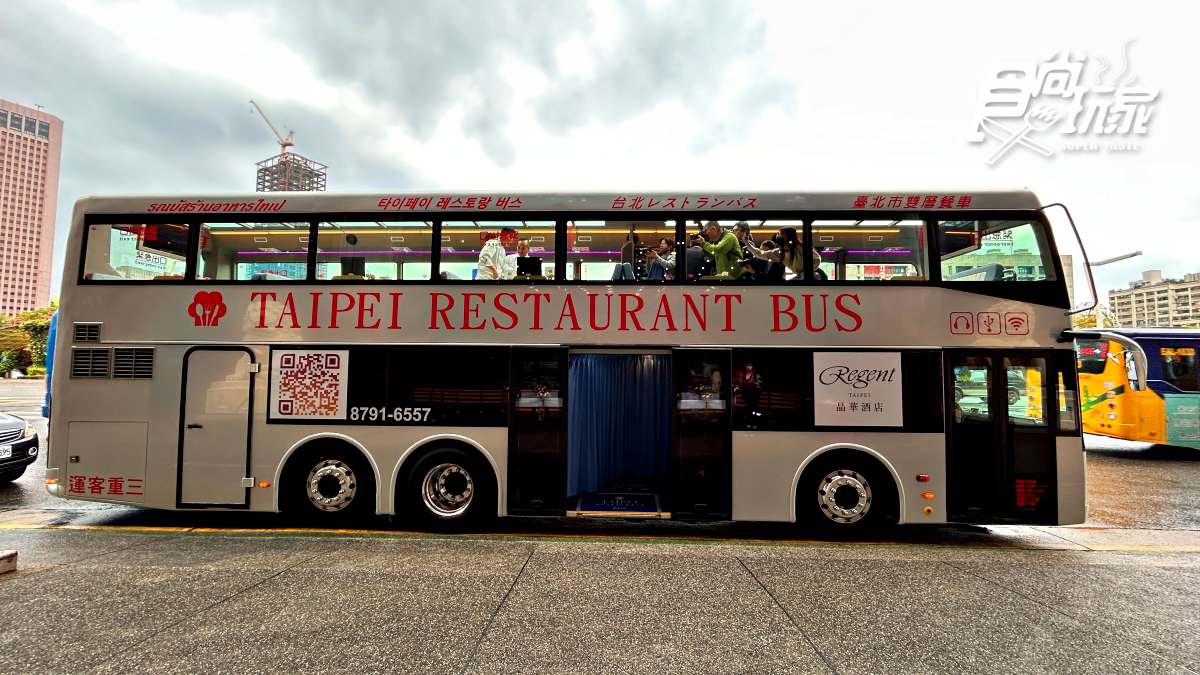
{"points": [[537, 456], [214, 451], [702, 459], [1001, 459]]}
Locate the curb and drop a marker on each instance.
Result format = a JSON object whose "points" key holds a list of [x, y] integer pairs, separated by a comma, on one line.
{"points": [[8, 561]]}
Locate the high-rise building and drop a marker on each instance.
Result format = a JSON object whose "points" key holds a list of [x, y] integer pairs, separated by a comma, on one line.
{"points": [[289, 172], [1155, 301], [30, 148]]}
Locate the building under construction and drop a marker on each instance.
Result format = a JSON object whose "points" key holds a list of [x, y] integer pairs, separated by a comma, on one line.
{"points": [[289, 172]]}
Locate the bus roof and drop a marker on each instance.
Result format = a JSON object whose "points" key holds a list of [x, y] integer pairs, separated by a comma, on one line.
{"points": [[500, 202]]}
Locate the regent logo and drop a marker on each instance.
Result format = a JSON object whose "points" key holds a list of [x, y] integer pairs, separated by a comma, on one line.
{"points": [[858, 378], [207, 308]]}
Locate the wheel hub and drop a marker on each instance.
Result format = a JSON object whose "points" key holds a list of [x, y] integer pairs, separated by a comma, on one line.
{"points": [[331, 485], [844, 496], [447, 490]]}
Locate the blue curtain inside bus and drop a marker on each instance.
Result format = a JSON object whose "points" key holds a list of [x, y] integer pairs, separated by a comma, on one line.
{"points": [[619, 419]]}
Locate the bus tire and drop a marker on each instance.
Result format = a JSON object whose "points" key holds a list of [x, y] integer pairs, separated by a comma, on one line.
{"points": [[12, 474], [1014, 395], [329, 483], [847, 492], [448, 488]]}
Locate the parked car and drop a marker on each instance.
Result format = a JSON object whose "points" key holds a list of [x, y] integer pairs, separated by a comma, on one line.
{"points": [[18, 446], [973, 382]]}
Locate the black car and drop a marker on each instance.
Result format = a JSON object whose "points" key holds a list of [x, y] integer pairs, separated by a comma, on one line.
{"points": [[18, 446]]}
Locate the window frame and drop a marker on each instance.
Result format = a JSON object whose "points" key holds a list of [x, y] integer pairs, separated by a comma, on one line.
{"points": [[314, 229], [560, 238], [1029, 291], [194, 255]]}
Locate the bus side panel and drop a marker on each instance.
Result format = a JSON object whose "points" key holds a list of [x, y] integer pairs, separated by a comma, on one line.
{"points": [[1151, 415], [767, 466], [1072, 480]]}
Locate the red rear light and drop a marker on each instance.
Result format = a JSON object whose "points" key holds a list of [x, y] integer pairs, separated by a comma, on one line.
{"points": [[922, 478]]}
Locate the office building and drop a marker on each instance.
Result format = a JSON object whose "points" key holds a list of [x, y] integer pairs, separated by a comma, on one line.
{"points": [[1155, 301], [30, 149]]}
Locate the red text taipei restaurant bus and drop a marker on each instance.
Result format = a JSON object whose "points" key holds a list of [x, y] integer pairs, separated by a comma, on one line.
{"points": [[839, 359]]}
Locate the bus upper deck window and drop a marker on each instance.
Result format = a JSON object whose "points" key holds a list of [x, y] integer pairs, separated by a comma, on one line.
{"points": [[252, 252], [871, 250], [994, 250], [374, 250], [136, 252], [516, 250], [744, 250]]}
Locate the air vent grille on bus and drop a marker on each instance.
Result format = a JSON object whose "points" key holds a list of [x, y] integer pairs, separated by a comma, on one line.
{"points": [[87, 332], [90, 362], [133, 362]]}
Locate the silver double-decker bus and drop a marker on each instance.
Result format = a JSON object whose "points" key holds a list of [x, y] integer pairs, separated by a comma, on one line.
{"points": [[837, 359]]}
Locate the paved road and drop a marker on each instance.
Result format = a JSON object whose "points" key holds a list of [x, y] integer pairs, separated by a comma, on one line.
{"points": [[108, 589]]}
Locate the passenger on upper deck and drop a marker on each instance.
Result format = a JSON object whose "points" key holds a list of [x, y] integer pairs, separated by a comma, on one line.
{"points": [[788, 252], [492, 259], [662, 260], [725, 249], [510, 261]]}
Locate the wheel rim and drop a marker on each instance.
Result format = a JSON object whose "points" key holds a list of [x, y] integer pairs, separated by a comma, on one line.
{"points": [[844, 496], [331, 485], [1013, 396], [447, 490]]}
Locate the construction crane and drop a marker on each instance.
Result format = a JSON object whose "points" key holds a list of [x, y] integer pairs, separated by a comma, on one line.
{"points": [[287, 171], [284, 143]]}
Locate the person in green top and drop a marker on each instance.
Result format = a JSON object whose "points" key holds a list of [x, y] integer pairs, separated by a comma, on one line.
{"points": [[725, 250]]}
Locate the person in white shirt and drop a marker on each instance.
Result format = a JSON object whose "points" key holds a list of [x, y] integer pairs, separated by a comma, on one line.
{"points": [[493, 262]]}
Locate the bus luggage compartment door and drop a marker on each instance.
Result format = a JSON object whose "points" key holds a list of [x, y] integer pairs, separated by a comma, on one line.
{"points": [[214, 449]]}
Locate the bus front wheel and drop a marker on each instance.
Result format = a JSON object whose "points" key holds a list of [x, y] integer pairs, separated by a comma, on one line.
{"points": [[845, 493], [449, 488]]}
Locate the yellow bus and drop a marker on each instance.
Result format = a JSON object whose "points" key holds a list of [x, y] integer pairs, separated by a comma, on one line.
{"points": [[1141, 384]]}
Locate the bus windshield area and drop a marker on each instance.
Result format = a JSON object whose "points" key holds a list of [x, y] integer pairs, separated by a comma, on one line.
{"points": [[1006, 250]]}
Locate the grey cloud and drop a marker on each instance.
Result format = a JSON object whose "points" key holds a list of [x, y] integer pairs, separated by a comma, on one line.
{"points": [[134, 126], [671, 51], [418, 59], [686, 51]]}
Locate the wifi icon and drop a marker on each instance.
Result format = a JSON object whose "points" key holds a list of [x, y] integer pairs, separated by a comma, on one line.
{"points": [[1016, 323]]}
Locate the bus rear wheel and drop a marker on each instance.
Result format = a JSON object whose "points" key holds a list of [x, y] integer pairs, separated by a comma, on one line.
{"points": [[449, 488], [330, 484], [847, 493]]}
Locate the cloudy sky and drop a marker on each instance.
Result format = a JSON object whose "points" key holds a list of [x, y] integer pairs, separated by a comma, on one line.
{"points": [[530, 95]]}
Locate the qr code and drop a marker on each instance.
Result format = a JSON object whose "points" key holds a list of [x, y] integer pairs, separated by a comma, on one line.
{"points": [[309, 384]]}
